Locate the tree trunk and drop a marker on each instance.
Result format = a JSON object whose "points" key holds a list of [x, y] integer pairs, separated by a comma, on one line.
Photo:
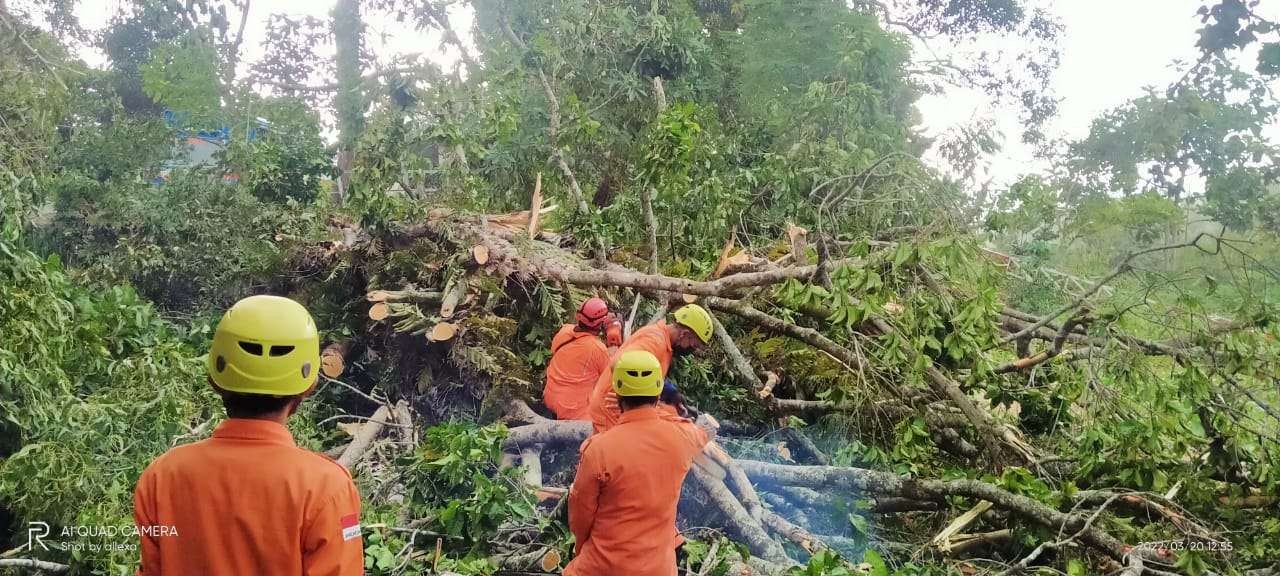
{"points": [[348, 33]]}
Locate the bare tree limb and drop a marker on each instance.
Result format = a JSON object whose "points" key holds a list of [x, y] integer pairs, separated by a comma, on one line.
{"points": [[441, 19], [553, 126], [33, 564]]}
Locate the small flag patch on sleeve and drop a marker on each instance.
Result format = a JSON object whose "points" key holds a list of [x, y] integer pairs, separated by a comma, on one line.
{"points": [[350, 526]]}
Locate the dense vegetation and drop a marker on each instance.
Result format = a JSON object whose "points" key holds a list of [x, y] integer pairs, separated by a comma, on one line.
{"points": [[1091, 351]]}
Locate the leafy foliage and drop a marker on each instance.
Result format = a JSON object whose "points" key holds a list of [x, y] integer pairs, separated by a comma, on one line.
{"points": [[74, 364]]}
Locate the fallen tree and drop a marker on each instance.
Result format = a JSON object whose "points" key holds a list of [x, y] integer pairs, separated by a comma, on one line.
{"points": [[775, 508]]}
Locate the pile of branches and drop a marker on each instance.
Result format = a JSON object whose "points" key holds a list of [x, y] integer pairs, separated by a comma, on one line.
{"points": [[769, 506]]}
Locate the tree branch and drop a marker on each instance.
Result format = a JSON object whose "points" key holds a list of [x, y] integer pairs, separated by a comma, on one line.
{"points": [[1124, 267], [38, 565], [831, 478], [553, 125]]}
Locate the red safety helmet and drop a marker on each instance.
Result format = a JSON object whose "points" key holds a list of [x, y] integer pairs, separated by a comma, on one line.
{"points": [[593, 313]]}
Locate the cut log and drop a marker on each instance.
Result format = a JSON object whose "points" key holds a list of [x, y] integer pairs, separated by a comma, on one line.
{"points": [[454, 293], [364, 439], [550, 561], [443, 332], [379, 312], [480, 253], [333, 359]]}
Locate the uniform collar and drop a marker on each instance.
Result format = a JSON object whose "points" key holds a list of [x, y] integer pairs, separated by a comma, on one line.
{"points": [[575, 333], [251, 429], [638, 414]]}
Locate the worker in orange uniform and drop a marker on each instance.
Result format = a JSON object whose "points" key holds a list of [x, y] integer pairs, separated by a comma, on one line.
{"points": [[622, 506], [247, 500], [690, 332], [577, 359]]}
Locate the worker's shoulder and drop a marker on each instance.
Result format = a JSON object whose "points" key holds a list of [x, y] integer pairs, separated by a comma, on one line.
{"points": [[325, 467], [174, 457], [656, 330], [183, 454]]}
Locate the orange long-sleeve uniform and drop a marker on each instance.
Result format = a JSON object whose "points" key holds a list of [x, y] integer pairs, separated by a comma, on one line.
{"points": [[604, 411], [622, 507], [248, 501], [577, 358]]}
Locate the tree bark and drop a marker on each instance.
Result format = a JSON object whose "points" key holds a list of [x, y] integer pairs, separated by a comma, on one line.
{"points": [[363, 439], [738, 522], [348, 33], [33, 564]]}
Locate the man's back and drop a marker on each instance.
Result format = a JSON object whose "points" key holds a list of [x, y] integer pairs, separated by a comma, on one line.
{"points": [[577, 359], [603, 409], [622, 507], [248, 501]]}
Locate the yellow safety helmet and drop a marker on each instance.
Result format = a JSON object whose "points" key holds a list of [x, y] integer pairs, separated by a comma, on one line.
{"points": [[695, 318], [265, 345], [637, 373]]}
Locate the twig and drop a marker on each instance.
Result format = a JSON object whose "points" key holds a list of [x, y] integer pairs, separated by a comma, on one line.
{"points": [[381, 402]]}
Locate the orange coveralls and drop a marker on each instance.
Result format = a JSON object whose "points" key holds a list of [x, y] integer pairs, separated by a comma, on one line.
{"points": [[604, 401], [622, 507], [577, 358], [248, 501]]}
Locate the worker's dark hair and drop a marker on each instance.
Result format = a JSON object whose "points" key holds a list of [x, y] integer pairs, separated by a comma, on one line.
{"points": [[253, 405], [241, 405], [629, 402]]}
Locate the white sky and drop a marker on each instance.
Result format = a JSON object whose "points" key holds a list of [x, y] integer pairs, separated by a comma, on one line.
{"points": [[1110, 51]]}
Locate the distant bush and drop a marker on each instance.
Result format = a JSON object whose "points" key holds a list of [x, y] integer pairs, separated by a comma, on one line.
{"points": [[196, 242]]}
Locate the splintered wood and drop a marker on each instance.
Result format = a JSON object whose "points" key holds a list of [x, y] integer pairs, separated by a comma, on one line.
{"points": [[535, 207]]}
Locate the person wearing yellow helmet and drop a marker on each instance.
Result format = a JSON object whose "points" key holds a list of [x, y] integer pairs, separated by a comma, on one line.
{"points": [[248, 500], [690, 332], [622, 505]]}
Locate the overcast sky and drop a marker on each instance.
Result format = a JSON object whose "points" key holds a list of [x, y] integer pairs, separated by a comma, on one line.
{"points": [[1110, 49]]}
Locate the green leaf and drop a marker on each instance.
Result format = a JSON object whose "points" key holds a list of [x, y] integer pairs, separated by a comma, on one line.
{"points": [[878, 567], [859, 523]]}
